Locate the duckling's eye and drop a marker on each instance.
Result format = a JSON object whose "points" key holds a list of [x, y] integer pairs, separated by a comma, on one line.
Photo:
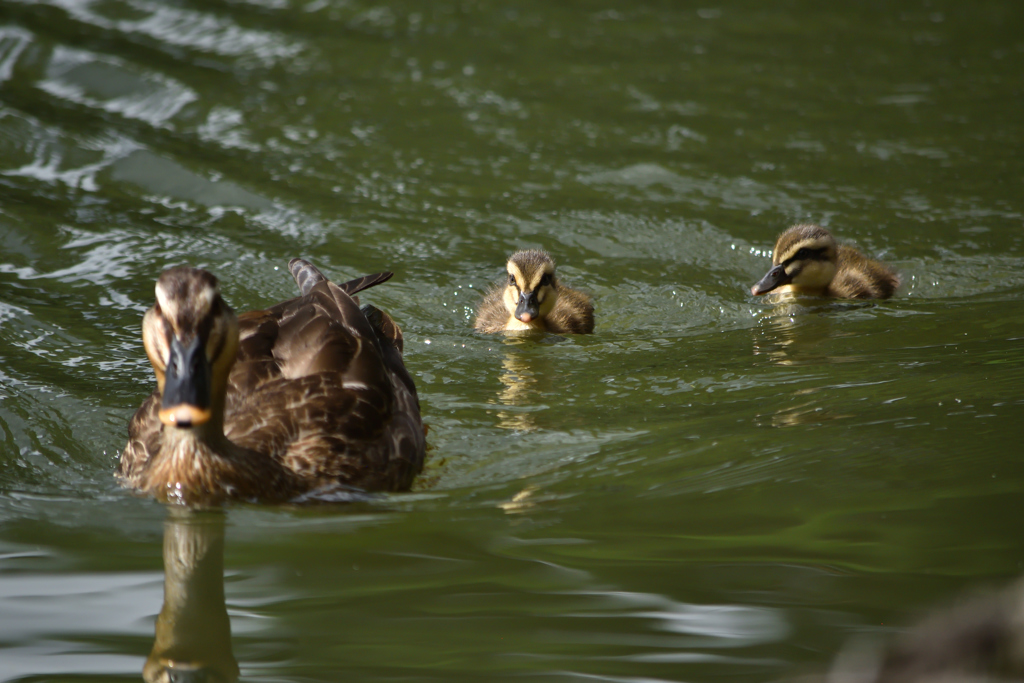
{"points": [[545, 280], [804, 253], [511, 279]]}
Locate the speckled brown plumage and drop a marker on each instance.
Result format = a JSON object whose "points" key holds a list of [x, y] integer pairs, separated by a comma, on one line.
{"points": [[318, 398], [807, 261], [858, 277], [561, 309]]}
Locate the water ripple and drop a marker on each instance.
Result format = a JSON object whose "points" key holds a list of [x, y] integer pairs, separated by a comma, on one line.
{"points": [[660, 184], [110, 84], [47, 153], [13, 41], [182, 28]]}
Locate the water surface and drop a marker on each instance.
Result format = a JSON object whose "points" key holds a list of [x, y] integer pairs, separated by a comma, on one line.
{"points": [[706, 488]]}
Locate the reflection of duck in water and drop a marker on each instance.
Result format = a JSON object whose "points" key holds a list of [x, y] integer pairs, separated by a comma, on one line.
{"points": [[521, 392], [309, 394], [783, 336], [532, 299], [807, 261], [193, 632]]}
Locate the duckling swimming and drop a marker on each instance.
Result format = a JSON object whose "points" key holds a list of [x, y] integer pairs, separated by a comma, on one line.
{"points": [[807, 261], [310, 394], [978, 639], [533, 299]]}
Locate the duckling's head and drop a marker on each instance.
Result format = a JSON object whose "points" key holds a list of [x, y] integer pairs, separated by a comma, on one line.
{"points": [[804, 257], [532, 286], [191, 338]]}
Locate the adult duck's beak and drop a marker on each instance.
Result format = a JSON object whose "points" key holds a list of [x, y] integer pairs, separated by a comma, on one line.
{"points": [[776, 277], [186, 399], [528, 308]]}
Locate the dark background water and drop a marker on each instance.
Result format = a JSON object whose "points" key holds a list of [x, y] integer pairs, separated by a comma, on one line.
{"points": [[705, 489]]}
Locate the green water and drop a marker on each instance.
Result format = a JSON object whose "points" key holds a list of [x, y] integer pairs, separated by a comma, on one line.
{"points": [[705, 489]]}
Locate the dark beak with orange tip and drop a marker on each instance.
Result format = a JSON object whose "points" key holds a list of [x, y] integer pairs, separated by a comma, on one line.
{"points": [[186, 399], [776, 277], [528, 308]]}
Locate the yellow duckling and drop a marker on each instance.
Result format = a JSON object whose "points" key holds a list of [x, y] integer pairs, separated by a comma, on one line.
{"points": [[533, 299], [808, 262], [310, 394]]}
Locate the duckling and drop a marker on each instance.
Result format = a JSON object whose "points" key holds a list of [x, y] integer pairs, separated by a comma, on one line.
{"points": [[531, 299], [978, 638], [808, 262], [309, 395]]}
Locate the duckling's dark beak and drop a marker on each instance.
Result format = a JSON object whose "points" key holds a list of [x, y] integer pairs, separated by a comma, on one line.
{"points": [[186, 399], [528, 308], [776, 277]]}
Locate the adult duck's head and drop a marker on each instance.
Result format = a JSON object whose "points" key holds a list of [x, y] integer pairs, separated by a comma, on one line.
{"points": [[804, 258], [191, 338], [532, 286]]}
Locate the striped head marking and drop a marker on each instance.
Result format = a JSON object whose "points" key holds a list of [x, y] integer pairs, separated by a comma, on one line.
{"points": [[804, 257], [191, 338], [532, 285], [185, 297]]}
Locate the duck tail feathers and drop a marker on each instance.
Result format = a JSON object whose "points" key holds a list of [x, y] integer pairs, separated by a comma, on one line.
{"points": [[357, 285], [307, 276]]}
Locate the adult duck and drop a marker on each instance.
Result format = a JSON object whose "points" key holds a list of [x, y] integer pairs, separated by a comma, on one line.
{"points": [[310, 396]]}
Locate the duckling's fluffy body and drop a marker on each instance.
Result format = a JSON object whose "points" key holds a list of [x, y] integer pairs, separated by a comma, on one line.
{"points": [[308, 395], [808, 262], [530, 298]]}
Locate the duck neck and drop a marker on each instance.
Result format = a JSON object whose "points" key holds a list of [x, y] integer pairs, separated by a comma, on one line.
{"points": [[201, 440], [514, 324], [194, 459], [792, 292], [204, 438]]}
